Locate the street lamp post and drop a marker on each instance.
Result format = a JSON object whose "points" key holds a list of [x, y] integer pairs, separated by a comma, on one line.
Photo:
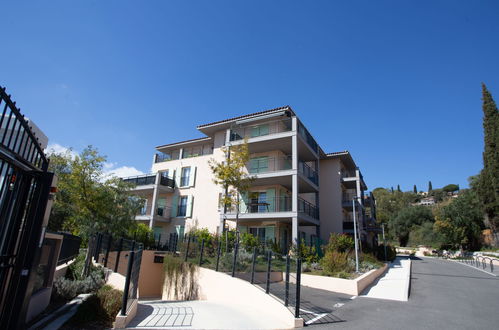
{"points": [[355, 236]]}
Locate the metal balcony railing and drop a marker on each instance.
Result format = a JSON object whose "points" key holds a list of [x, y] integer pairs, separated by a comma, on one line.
{"points": [[309, 172], [303, 132], [163, 211], [308, 208], [347, 174], [141, 180], [348, 197], [266, 128], [149, 179], [164, 157], [274, 204], [268, 164]]}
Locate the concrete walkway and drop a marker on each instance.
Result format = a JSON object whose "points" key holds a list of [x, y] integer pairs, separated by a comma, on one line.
{"points": [[394, 285], [201, 314]]}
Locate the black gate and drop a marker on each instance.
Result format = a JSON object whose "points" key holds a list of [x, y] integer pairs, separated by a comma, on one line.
{"points": [[24, 190]]}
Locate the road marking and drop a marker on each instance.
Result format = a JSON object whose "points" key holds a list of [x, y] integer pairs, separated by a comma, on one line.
{"points": [[318, 317], [353, 297], [338, 305]]}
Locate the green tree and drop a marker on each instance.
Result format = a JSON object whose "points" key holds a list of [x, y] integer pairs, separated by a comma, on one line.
{"points": [[451, 188], [87, 201], [460, 221], [430, 188], [398, 188], [406, 219], [415, 190], [232, 176], [487, 185]]}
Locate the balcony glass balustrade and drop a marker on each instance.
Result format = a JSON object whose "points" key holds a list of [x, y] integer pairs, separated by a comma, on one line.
{"points": [[255, 130], [303, 132], [266, 164], [309, 172], [150, 179]]}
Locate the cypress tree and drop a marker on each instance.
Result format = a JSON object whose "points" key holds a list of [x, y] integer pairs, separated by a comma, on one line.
{"points": [[488, 183], [392, 190], [398, 188], [415, 189], [430, 188]]}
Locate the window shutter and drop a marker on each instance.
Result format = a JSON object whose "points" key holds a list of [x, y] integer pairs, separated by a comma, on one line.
{"points": [[174, 206], [242, 205], [190, 201], [177, 174], [271, 199], [192, 177]]}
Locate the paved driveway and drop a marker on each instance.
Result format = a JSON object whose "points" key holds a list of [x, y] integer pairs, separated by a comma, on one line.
{"points": [[444, 295]]}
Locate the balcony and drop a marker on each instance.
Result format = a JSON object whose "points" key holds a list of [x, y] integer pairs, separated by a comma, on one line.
{"points": [[303, 132], [161, 213], [149, 180], [308, 208], [347, 199], [347, 225], [308, 172], [262, 129], [267, 205], [268, 164]]}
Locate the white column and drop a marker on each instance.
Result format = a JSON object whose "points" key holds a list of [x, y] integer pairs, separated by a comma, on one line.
{"points": [[181, 153], [294, 231], [154, 199], [227, 137], [294, 179]]}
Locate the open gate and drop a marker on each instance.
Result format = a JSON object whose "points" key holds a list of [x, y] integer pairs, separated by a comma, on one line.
{"points": [[24, 190]]}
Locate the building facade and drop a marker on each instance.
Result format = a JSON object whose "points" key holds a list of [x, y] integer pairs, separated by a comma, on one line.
{"points": [[298, 192]]}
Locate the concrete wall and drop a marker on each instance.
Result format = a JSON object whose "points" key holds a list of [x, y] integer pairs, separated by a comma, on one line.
{"points": [[352, 287], [151, 276], [330, 198]]}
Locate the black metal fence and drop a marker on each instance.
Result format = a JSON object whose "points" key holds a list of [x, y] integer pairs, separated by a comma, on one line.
{"points": [[24, 192], [70, 248], [123, 256]]}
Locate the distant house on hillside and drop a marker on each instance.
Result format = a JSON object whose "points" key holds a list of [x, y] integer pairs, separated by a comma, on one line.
{"points": [[426, 201]]}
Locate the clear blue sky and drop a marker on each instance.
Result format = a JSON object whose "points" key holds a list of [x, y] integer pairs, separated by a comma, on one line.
{"points": [[395, 82]]}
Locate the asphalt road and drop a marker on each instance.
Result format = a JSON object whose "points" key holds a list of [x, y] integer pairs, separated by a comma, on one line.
{"points": [[444, 295]]}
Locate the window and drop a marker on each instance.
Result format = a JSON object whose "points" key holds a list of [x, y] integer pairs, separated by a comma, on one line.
{"points": [[258, 202], [182, 206], [185, 176], [258, 233]]}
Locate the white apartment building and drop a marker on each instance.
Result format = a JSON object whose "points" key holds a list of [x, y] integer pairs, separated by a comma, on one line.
{"points": [[298, 192]]}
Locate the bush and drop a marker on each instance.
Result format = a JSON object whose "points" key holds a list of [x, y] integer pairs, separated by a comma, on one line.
{"points": [[340, 243], [334, 262], [368, 262], [391, 252], [66, 288], [99, 310], [248, 241]]}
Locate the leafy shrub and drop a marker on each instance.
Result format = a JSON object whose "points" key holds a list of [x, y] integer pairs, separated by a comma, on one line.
{"points": [[66, 289], [181, 279], [334, 262], [248, 241], [99, 310], [368, 262], [391, 252], [340, 243]]}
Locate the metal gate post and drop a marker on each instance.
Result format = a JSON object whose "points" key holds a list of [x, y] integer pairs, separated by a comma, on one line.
{"points": [[187, 249], [253, 262], [286, 297], [234, 260], [298, 287], [127, 280], [269, 261], [118, 255], [219, 248]]}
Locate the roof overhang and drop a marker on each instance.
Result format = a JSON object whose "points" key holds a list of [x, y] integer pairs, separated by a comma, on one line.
{"points": [[211, 128]]}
